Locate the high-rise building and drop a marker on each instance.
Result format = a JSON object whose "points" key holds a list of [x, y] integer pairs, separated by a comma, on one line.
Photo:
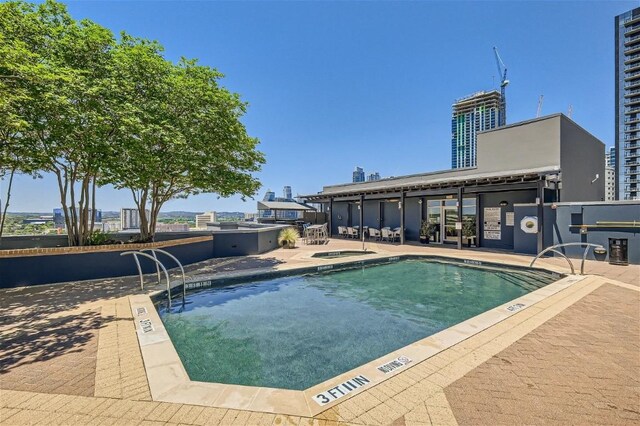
{"points": [[204, 218], [373, 176], [609, 183], [610, 157], [287, 193], [472, 114], [269, 196], [358, 174], [627, 133]]}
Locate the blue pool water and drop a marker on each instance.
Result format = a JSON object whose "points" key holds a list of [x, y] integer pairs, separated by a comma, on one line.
{"points": [[295, 332]]}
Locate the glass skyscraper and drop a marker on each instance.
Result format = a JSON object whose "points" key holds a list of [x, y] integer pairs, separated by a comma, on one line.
{"points": [[627, 132], [472, 114], [358, 174]]}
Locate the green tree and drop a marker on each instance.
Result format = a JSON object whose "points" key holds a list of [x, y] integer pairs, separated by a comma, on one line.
{"points": [[16, 156], [62, 76], [183, 135]]}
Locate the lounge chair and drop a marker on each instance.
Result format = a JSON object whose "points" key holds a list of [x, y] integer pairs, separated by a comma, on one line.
{"points": [[342, 231], [386, 234]]}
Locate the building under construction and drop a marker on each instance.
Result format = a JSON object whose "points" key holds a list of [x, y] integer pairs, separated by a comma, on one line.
{"points": [[472, 114]]}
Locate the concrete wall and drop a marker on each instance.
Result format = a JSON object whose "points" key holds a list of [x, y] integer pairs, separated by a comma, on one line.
{"points": [[590, 213], [245, 242], [581, 159], [528, 243], [493, 199], [526, 145], [412, 219]]}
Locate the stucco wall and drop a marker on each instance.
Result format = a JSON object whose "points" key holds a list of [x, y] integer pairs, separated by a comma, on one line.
{"points": [[528, 145], [581, 159]]}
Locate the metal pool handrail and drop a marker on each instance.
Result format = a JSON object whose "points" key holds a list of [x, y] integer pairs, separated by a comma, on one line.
{"points": [[584, 255], [184, 280], [166, 274]]}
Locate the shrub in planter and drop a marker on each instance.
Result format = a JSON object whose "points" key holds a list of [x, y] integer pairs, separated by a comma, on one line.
{"points": [[469, 230], [427, 230], [288, 237]]}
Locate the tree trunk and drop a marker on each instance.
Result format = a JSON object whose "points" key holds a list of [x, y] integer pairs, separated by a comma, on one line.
{"points": [[6, 203]]}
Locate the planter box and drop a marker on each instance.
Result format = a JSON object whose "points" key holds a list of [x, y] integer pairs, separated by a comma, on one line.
{"points": [[26, 267]]}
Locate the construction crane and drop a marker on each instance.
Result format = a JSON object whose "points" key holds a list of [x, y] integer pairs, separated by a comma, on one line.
{"points": [[502, 72], [540, 99]]}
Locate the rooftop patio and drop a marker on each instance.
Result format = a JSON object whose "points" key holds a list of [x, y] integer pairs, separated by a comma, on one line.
{"points": [[70, 355]]}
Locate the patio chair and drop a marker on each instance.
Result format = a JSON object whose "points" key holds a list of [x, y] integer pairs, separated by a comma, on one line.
{"points": [[375, 234], [342, 231], [324, 233], [386, 234], [352, 232], [395, 234]]}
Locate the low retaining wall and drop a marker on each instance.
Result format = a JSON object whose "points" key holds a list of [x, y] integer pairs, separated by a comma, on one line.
{"points": [[33, 266]]}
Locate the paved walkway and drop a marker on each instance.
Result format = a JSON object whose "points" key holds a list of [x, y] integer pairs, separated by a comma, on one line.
{"points": [[69, 355]]}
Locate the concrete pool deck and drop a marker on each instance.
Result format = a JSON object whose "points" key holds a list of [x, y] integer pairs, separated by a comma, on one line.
{"points": [[70, 355]]}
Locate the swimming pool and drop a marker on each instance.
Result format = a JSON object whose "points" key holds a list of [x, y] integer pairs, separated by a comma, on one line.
{"points": [[295, 332]]}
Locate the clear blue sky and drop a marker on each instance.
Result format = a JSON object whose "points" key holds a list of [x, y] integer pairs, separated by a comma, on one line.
{"points": [[332, 85]]}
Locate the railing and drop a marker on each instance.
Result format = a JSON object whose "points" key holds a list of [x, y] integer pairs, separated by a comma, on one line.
{"points": [[157, 262], [159, 265], [175, 259], [584, 255]]}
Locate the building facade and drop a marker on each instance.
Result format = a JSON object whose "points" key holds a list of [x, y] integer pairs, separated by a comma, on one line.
{"points": [[610, 157], [504, 202], [471, 115], [609, 183], [204, 218], [358, 175], [627, 109]]}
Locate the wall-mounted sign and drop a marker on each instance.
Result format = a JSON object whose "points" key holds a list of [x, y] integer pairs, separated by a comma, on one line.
{"points": [[509, 219], [492, 235], [458, 225], [341, 390], [529, 224], [492, 221]]}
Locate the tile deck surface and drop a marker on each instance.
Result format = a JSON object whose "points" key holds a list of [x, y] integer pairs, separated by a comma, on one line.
{"points": [[70, 355]]}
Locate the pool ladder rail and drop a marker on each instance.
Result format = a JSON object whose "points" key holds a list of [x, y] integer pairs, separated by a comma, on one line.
{"points": [[159, 265], [553, 249]]}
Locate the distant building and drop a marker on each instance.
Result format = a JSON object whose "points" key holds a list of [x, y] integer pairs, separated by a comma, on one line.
{"points": [[627, 110], [250, 217], [204, 218], [287, 193], [59, 218], [610, 157], [358, 174], [130, 218], [472, 114], [172, 227], [282, 214], [373, 176], [610, 183]]}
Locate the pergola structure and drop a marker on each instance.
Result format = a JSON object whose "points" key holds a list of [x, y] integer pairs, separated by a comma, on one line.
{"points": [[450, 184]]}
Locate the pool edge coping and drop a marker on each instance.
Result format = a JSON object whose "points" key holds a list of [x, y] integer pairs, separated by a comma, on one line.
{"points": [[169, 381]]}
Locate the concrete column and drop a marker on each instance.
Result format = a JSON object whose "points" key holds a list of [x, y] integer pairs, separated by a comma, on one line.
{"points": [[362, 219], [459, 231], [330, 217], [540, 200], [402, 217]]}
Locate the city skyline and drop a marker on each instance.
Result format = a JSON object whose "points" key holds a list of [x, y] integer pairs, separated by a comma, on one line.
{"points": [[374, 79]]}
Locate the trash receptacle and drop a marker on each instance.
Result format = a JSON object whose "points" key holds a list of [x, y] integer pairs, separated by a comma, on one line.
{"points": [[619, 251]]}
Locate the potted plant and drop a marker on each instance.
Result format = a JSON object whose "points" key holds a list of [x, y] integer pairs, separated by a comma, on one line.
{"points": [[288, 238], [427, 230], [469, 230]]}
